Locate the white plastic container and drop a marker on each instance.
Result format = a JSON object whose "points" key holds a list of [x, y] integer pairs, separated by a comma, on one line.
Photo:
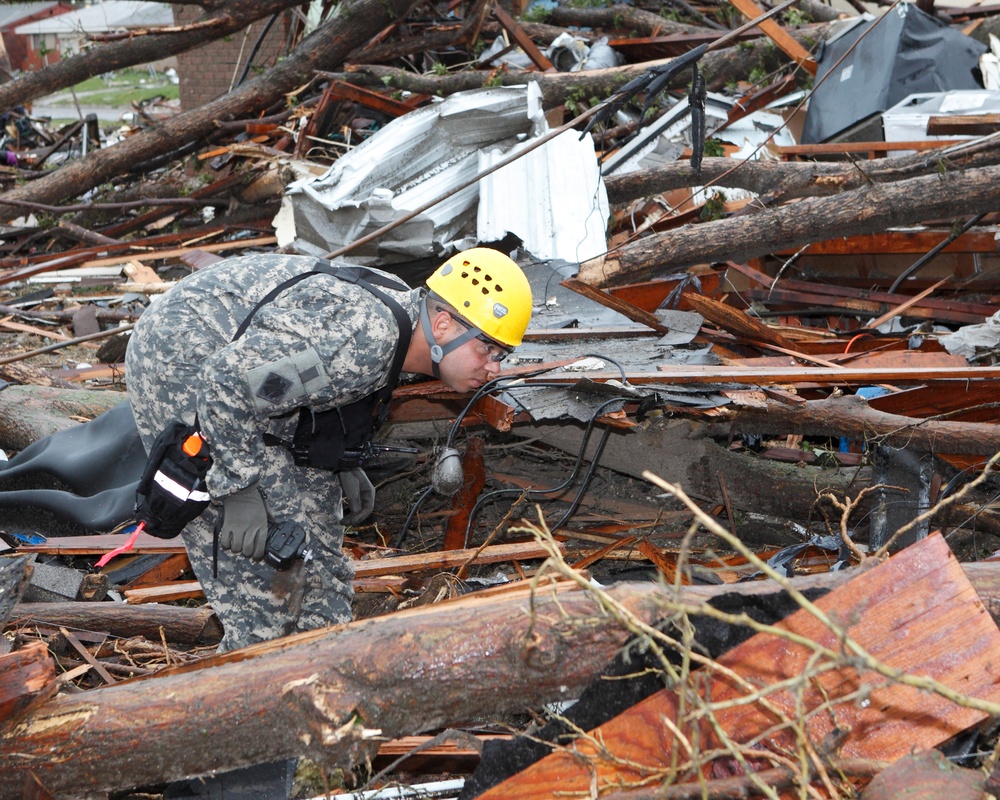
{"points": [[907, 120]]}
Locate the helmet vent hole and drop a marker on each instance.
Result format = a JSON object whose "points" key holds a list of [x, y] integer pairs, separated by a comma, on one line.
{"points": [[497, 287], [475, 282], [486, 290]]}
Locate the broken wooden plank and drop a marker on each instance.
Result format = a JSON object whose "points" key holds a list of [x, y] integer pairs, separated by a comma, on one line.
{"points": [[97, 666], [45, 333], [473, 481], [788, 45], [509, 24], [164, 593], [963, 124], [916, 613], [737, 322], [100, 543], [871, 149], [616, 303], [26, 675]]}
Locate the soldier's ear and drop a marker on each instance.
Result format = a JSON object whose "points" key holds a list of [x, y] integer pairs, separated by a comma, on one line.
{"points": [[441, 323]]}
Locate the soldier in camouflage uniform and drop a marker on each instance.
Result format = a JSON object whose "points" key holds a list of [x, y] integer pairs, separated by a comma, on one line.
{"points": [[320, 343]]}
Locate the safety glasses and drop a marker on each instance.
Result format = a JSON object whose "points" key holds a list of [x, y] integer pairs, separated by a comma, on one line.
{"points": [[488, 349]]}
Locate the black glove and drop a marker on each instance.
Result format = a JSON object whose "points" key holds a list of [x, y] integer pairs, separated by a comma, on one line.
{"points": [[359, 495], [244, 523]]}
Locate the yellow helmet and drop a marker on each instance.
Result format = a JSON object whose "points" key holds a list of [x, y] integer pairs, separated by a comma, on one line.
{"points": [[489, 290]]}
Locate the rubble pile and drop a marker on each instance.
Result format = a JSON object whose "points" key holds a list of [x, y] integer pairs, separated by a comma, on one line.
{"points": [[734, 496]]}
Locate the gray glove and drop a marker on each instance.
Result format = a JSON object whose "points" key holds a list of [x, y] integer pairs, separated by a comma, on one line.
{"points": [[244, 523], [359, 495]]}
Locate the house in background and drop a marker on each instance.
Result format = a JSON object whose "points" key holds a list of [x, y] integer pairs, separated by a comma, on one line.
{"points": [[67, 34], [217, 67], [18, 46]]}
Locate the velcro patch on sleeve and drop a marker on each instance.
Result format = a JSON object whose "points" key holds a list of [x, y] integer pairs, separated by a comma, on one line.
{"points": [[310, 371], [276, 386]]}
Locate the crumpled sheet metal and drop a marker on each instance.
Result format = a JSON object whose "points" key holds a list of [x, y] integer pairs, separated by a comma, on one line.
{"points": [[970, 340], [553, 199], [412, 160]]}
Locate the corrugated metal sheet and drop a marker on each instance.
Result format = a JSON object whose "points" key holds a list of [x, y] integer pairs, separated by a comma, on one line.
{"points": [[411, 161], [552, 199]]}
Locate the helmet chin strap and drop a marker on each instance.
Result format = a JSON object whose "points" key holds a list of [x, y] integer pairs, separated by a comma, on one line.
{"points": [[438, 352]]}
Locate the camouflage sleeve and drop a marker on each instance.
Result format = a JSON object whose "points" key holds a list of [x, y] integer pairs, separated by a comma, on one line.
{"points": [[288, 358]]}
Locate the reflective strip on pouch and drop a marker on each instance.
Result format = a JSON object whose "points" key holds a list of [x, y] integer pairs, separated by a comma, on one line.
{"points": [[179, 491]]}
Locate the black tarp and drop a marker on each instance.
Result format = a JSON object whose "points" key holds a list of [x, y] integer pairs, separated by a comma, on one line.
{"points": [[903, 52]]}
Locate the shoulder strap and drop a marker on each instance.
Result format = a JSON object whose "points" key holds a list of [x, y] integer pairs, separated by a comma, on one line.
{"points": [[365, 278]]}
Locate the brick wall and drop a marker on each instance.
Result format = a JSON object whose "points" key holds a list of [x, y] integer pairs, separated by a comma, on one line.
{"points": [[207, 72]]}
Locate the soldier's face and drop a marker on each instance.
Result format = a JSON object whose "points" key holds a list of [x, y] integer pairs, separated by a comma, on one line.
{"points": [[469, 366]]}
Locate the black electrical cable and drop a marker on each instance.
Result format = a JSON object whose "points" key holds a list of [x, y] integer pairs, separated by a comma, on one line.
{"points": [[536, 493], [449, 441], [587, 478], [934, 251], [533, 494], [398, 543], [255, 49]]}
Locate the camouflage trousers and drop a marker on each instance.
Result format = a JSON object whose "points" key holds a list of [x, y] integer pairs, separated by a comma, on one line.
{"points": [[253, 601]]}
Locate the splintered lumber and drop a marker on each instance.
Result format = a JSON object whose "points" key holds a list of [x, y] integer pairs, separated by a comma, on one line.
{"points": [[778, 35], [735, 321], [916, 614], [25, 675], [368, 568], [175, 623], [851, 416]]}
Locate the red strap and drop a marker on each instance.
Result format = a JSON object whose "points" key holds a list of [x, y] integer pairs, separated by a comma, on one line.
{"points": [[124, 548]]}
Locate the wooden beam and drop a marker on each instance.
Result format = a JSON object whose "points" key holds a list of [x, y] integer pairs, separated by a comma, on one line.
{"points": [[963, 125], [785, 42], [872, 149]]}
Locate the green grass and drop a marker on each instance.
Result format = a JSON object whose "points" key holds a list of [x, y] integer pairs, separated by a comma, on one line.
{"points": [[121, 89], [117, 91]]}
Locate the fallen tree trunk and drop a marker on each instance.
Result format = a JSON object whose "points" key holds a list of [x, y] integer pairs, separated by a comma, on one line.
{"points": [[322, 693], [719, 66], [627, 19], [787, 180], [851, 416], [99, 59], [30, 413], [865, 210], [179, 624], [324, 49], [687, 454]]}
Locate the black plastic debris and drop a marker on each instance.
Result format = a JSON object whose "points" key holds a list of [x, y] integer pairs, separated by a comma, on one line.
{"points": [[903, 52]]}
